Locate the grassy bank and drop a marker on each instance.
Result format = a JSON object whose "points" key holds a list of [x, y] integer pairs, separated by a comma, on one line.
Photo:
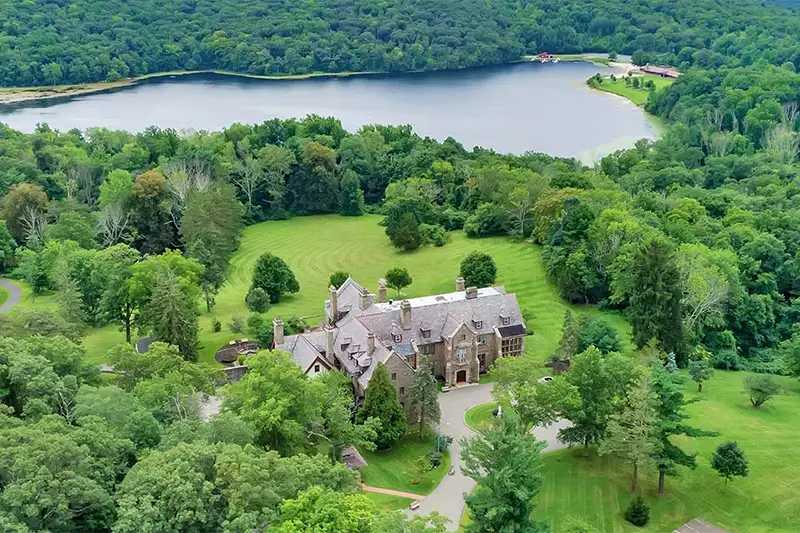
{"points": [[636, 95], [480, 417], [401, 468]]}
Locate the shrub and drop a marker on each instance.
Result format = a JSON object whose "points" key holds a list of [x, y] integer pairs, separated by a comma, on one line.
{"points": [[599, 333], [237, 324], [435, 459], [445, 441], [637, 512], [488, 219], [761, 388], [453, 219], [257, 300], [433, 234], [217, 325]]}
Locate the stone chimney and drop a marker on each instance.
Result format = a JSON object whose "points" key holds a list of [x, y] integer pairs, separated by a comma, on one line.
{"points": [[334, 298], [472, 292], [277, 330], [370, 342], [405, 314], [329, 335], [365, 299], [459, 284], [382, 290]]}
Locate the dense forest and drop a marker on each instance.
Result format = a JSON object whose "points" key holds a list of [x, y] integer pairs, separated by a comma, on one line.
{"points": [[58, 42]]}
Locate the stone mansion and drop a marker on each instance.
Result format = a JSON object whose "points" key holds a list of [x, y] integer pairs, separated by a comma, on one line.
{"points": [[463, 332]]}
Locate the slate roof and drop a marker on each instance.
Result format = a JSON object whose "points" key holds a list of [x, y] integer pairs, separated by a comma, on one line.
{"points": [[352, 458], [143, 344]]}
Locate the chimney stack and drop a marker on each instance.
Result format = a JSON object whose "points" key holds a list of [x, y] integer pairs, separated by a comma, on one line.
{"points": [[382, 290], [370, 342], [365, 300], [334, 298], [405, 314], [277, 331], [329, 335], [459, 284], [472, 292]]}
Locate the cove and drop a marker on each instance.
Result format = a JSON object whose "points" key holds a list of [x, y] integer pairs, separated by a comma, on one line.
{"points": [[511, 108]]}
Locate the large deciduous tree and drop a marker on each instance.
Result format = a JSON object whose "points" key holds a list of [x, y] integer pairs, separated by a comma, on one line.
{"points": [[274, 276], [23, 209], [478, 270]]}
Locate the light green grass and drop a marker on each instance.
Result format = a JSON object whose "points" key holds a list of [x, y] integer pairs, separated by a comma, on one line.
{"points": [[396, 468], [766, 501], [3, 295], [637, 96], [387, 502], [480, 417]]}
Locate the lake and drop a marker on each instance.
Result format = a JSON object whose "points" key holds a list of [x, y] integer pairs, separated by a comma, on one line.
{"points": [[512, 108]]}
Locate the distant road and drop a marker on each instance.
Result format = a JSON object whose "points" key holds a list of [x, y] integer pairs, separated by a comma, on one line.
{"points": [[14, 294]]}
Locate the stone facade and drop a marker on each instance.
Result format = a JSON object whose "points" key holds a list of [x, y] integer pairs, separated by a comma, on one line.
{"points": [[463, 333]]}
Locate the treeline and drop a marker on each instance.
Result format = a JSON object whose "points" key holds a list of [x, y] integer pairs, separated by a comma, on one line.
{"points": [[53, 42]]}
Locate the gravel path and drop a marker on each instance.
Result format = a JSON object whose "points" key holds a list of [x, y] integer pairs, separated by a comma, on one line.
{"points": [[391, 492], [14, 294]]}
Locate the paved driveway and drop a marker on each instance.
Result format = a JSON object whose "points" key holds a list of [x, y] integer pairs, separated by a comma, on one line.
{"points": [[448, 498], [14, 294]]}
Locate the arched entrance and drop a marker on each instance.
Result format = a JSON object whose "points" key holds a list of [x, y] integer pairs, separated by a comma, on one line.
{"points": [[461, 376]]}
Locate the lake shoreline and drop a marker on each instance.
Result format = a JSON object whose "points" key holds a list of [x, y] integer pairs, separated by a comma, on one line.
{"points": [[12, 96]]}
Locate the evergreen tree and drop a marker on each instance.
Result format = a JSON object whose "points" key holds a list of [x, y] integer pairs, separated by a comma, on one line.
{"points": [[407, 235], [505, 462], [570, 337], [380, 402], [172, 316], [352, 195], [632, 433], [423, 400], [729, 461], [638, 513], [655, 302]]}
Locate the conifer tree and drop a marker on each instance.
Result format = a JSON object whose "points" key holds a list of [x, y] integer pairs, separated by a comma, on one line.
{"points": [[570, 338], [423, 400], [380, 401]]}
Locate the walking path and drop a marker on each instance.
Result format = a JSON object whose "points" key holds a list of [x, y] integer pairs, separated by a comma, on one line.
{"points": [[14, 294], [391, 492], [448, 498]]}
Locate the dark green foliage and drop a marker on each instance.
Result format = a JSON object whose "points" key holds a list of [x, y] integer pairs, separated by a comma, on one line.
{"points": [[73, 226], [257, 300], [570, 338], [7, 246], [351, 193], [729, 461], [761, 388], [173, 316], [478, 270], [398, 278], [407, 235], [655, 310], [638, 513], [380, 402], [338, 278], [274, 276], [599, 333]]}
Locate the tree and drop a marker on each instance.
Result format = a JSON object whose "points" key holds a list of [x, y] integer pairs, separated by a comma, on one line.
{"points": [[381, 403], [338, 278], [7, 246], [22, 208], [761, 388], [505, 462], [274, 276], [407, 235], [351, 193], [73, 226], [171, 316], [113, 271], [151, 213], [570, 338], [632, 433], [700, 366], [478, 270], [599, 333], [398, 278], [729, 461], [637, 513], [655, 302], [423, 399], [257, 300]]}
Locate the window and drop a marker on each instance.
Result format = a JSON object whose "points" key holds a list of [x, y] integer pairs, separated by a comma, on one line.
{"points": [[402, 390], [461, 355], [512, 346], [426, 334], [478, 324], [316, 369], [428, 349], [506, 320], [398, 338], [463, 336], [394, 376], [481, 340]]}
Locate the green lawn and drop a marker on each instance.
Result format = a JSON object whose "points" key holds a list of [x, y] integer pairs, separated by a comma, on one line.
{"points": [[397, 468], [3, 295], [480, 417], [637, 96], [388, 502], [766, 501]]}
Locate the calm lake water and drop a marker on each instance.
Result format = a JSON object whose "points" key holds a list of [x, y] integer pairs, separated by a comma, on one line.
{"points": [[513, 108]]}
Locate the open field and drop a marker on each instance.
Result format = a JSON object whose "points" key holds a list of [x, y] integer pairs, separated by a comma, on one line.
{"points": [[637, 96], [767, 501], [396, 468]]}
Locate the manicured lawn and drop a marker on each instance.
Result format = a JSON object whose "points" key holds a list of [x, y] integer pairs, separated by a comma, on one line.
{"points": [[767, 501], [480, 417], [316, 246], [3, 295], [637, 96], [396, 468], [388, 502]]}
